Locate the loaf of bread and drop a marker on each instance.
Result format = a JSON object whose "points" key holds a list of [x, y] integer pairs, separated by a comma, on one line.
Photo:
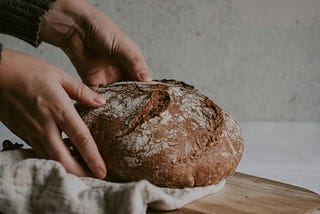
{"points": [[164, 131]]}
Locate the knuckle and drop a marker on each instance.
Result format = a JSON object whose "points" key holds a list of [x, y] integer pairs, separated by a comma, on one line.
{"points": [[80, 89], [60, 114], [80, 140]]}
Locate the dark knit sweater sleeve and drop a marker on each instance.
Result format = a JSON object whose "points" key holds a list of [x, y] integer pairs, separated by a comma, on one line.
{"points": [[21, 18], [0, 51]]}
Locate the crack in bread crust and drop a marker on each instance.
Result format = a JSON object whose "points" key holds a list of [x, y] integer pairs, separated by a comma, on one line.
{"points": [[164, 131]]}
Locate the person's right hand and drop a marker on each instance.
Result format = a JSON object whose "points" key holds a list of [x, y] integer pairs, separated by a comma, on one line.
{"points": [[35, 105], [98, 49]]}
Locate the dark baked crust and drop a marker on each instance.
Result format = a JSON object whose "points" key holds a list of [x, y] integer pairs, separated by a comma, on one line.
{"points": [[163, 131]]}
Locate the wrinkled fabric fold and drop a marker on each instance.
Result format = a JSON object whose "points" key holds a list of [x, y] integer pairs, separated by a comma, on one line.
{"points": [[29, 185]]}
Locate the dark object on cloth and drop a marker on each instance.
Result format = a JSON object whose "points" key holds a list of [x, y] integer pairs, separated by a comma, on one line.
{"points": [[8, 145]]}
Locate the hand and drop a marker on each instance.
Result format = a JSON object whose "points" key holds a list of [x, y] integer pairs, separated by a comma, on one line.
{"points": [[35, 105], [98, 49]]}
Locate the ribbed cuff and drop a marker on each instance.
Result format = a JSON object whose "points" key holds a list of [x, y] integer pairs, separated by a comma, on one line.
{"points": [[21, 18], [0, 51]]}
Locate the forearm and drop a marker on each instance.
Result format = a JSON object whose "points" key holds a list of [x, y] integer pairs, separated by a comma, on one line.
{"points": [[22, 18]]}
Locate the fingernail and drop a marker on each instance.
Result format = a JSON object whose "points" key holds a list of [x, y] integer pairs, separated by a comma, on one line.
{"points": [[99, 100], [145, 77], [101, 173]]}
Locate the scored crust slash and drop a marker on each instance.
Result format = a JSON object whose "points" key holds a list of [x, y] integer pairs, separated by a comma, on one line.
{"points": [[163, 131]]}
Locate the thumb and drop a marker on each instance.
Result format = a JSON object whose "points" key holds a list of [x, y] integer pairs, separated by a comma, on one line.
{"points": [[80, 92]]}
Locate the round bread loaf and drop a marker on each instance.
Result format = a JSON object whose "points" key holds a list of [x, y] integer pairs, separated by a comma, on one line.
{"points": [[165, 132]]}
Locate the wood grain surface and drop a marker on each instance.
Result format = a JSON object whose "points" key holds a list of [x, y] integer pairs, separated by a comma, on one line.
{"points": [[249, 194]]}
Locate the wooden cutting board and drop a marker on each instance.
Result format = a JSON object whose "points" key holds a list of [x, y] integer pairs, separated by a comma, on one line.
{"points": [[249, 194]]}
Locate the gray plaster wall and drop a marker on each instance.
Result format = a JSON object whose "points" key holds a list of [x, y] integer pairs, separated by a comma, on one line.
{"points": [[257, 59]]}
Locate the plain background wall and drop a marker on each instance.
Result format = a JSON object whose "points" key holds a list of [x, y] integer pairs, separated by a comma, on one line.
{"points": [[257, 59]]}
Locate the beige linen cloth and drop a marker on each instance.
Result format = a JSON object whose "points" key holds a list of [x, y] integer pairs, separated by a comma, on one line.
{"points": [[30, 185]]}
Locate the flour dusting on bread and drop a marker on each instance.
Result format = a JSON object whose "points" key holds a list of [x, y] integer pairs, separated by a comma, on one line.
{"points": [[164, 131]]}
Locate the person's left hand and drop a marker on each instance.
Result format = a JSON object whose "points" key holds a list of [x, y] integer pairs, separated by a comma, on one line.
{"points": [[98, 49], [35, 105]]}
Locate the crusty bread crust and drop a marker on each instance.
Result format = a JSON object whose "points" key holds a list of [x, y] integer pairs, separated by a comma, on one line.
{"points": [[164, 131]]}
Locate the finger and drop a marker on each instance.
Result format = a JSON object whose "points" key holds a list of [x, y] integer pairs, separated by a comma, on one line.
{"points": [[70, 122], [133, 60], [82, 139], [126, 53], [37, 147], [94, 71], [103, 75], [58, 151], [80, 92]]}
